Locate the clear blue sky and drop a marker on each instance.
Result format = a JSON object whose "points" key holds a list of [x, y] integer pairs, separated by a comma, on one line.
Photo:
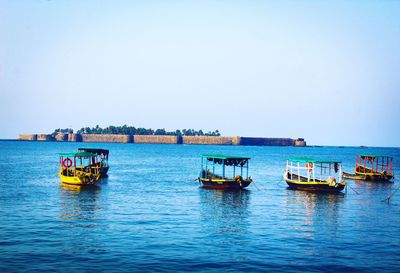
{"points": [[328, 71]]}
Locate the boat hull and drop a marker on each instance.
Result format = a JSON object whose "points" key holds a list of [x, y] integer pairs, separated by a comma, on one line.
{"points": [[354, 176], [103, 171], [225, 184], [376, 176], [371, 175], [79, 180], [320, 186]]}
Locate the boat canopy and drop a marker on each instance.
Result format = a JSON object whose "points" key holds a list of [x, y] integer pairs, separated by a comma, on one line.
{"points": [[79, 154], [311, 160], [96, 151], [378, 163], [372, 156], [237, 161]]}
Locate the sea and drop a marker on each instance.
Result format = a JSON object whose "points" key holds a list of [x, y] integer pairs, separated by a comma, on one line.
{"points": [[152, 215]]}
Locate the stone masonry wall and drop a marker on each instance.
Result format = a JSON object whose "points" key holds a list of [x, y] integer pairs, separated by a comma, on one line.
{"points": [[31, 137], [74, 138], [44, 137], [151, 139], [61, 137], [300, 143], [260, 141], [106, 138], [210, 140]]}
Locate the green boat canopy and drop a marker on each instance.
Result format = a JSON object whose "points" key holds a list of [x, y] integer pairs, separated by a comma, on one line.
{"points": [[79, 154], [311, 160], [237, 161], [96, 151]]}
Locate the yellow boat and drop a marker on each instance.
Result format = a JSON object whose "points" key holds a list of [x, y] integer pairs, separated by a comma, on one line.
{"points": [[219, 163], [76, 169], [372, 168]]}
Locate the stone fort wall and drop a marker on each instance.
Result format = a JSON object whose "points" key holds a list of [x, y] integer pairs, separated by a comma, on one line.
{"points": [[153, 139]]}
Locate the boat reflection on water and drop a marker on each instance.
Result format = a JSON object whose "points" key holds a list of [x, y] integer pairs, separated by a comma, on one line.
{"points": [[224, 211], [79, 218], [316, 213], [372, 186], [78, 202]]}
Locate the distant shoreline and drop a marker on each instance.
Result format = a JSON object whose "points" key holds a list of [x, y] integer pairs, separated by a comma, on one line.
{"points": [[308, 146], [165, 139]]}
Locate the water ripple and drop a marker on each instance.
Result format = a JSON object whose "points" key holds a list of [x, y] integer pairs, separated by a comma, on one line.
{"points": [[149, 215]]}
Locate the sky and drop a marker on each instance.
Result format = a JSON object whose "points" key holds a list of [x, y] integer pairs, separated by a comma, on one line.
{"points": [[326, 71]]}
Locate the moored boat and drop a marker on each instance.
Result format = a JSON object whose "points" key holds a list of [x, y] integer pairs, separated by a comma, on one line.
{"points": [[76, 168], [314, 175], [224, 172], [354, 176], [102, 159], [372, 168]]}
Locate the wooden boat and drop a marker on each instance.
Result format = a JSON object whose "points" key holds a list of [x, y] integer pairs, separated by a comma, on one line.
{"points": [[79, 188], [314, 175], [224, 172], [354, 176], [372, 168], [76, 168], [102, 159]]}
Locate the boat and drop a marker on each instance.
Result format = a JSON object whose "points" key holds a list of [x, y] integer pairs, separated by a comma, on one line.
{"points": [[77, 168], [314, 175], [224, 172], [354, 176], [102, 159], [372, 167]]}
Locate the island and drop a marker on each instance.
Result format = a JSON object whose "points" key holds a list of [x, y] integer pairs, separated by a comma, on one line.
{"points": [[125, 134]]}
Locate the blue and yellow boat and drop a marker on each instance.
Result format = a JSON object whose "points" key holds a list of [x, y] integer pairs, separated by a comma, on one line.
{"points": [[224, 172], [77, 168], [314, 175]]}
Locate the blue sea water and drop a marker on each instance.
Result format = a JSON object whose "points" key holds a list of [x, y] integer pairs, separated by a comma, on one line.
{"points": [[150, 215]]}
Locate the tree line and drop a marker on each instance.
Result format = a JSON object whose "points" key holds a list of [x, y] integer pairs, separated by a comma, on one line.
{"points": [[131, 130]]}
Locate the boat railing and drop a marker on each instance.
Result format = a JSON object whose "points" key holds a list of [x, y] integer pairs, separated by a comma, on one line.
{"points": [[223, 167], [363, 169], [297, 170], [68, 171], [207, 174], [376, 163], [81, 170]]}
